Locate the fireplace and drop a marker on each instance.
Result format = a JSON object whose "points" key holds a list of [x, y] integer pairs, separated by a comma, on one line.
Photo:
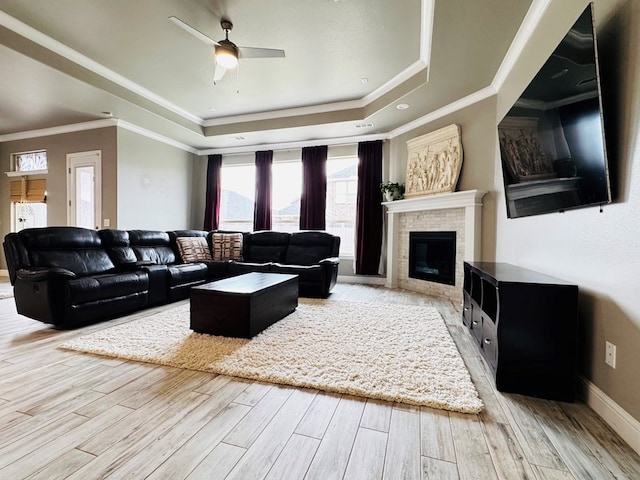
{"points": [[432, 256]]}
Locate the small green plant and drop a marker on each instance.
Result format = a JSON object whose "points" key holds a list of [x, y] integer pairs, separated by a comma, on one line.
{"points": [[392, 190]]}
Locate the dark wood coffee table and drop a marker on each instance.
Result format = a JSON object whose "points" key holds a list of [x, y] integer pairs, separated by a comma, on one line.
{"points": [[243, 306]]}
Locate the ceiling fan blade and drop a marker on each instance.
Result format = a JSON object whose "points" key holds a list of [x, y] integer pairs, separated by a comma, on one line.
{"points": [[252, 52], [196, 33]]}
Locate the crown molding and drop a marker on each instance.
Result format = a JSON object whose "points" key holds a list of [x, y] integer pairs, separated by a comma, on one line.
{"points": [[76, 57], [426, 32], [45, 132], [443, 111], [427, 9], [531, 20], [292, 145], [156, 136]]}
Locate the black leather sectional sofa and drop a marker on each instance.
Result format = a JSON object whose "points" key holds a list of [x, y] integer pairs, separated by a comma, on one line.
{"points": [[67, 276]]}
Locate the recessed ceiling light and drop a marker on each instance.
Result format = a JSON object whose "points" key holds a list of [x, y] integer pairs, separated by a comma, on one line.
{"points": [[213, 109], [107, 114], [239, 137], [402, 106], [364, 80]]}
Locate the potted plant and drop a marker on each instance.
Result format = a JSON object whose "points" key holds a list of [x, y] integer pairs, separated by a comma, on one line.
{"points": [[392, 190]]}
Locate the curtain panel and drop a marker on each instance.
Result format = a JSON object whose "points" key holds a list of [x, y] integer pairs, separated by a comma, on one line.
{"points": [[369, 212], [262, 205], [313, 200], [212, 199]]}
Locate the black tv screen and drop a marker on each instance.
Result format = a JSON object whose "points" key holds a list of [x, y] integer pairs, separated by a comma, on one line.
{"points": [[552, 140]]}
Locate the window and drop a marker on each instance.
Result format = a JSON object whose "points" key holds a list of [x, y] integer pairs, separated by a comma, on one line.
{"points": [[237, 196], [346, 191], [342, 190], [28, 215], [285, 196], [30, 161], [28, 194]]}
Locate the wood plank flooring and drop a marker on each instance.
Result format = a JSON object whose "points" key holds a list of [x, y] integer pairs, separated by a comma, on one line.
{"points": [[64, 415]]}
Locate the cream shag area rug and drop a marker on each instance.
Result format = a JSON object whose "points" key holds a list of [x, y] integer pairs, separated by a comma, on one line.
{"points": [[399, 353]]}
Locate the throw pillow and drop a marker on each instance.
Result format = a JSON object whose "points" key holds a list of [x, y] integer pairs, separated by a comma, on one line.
{"points": [[227, 246], [193, 249]]}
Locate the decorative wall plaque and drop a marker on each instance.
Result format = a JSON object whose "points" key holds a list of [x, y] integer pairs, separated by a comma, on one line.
{"points": [[434, 163], [521, 151]]}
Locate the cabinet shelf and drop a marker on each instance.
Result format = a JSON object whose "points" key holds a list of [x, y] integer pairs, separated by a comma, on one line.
{"points": [[525, 325]]}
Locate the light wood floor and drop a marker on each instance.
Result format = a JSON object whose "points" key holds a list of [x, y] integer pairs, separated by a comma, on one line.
{"points": [[68, 415]]}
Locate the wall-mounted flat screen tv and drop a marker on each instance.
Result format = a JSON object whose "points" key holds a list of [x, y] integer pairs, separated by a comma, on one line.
{"points": [[552, 140]]}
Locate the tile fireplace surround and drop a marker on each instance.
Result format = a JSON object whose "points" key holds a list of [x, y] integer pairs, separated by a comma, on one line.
{"points": [[459, 211]]}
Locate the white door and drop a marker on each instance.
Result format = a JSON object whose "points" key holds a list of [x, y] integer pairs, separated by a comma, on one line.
{"points": [[84, 189]]}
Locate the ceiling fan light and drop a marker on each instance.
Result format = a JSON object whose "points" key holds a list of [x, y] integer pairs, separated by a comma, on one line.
{"points": [[227, 55]]}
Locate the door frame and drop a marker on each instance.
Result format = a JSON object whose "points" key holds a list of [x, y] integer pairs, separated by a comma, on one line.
{"points": [[75, 160]]}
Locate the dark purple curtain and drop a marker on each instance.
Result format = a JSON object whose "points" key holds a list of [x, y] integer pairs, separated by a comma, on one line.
{"points": [[313, 200], [212, 199], [369, 208], [262, 205]]}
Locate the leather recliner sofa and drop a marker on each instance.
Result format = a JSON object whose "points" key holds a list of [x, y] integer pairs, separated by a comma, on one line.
{"points": [[67, 275], [312, 255]]}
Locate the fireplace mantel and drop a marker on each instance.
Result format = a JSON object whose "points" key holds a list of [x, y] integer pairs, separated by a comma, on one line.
{"points": [[469, 200]]}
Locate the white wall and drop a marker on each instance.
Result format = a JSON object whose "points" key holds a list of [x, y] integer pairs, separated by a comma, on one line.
{"points": [[597, 251], [155, 184]]}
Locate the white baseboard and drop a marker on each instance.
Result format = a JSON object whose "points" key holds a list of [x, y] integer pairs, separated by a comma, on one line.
{"points": [[362, 279], [613, 414]]}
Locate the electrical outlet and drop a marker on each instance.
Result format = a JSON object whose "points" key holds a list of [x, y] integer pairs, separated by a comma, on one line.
{"points": [[610, 355]]}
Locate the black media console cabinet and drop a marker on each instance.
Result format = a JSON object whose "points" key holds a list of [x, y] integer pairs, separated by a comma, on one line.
{"points": [[525, 324]]}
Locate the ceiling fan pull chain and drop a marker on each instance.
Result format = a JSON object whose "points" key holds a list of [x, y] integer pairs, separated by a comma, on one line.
{"points": [[238, 79]]}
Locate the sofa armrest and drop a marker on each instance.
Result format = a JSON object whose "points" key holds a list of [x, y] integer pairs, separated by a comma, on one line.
{"points": [[330, 261], [44, 274], [158, 283]]}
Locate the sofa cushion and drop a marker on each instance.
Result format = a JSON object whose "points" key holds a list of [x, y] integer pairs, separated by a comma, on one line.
{"points": [[238, 268], [266, 246], [193, 249], [306, 273], [308, 248], [116, 242], [152, 246], [106, 286], [76, 249], [186, 274], [226, 246]]}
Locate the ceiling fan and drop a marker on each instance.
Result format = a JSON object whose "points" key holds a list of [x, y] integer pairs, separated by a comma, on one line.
{"points": [[227, 53]]}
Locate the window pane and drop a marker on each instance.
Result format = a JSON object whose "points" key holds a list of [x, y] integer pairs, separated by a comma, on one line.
{"points": [[29, 215], [285, 196], [342, 189], [25, 162], [237, 192]]}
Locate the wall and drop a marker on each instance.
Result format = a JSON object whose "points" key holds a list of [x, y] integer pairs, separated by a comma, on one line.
{"points": [[57, 147], [155, 185], [479, 144], [597, 251]]}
